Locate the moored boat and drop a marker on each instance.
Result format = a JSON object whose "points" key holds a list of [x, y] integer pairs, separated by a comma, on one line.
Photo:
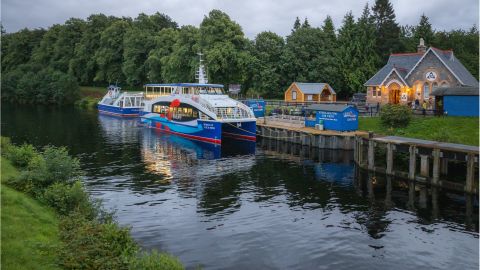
{"points": [[199, 111], [120, 103]]}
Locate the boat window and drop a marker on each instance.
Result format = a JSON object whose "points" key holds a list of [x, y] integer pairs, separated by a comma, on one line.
{"points": [[184, 112], [203, 90], [218, 91]]}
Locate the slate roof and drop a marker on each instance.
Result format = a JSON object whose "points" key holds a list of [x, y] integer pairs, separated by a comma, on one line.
{"points": [[405, 62], [456, 66], [402, 62], [455, 91], [328, 107], [313, 88]]}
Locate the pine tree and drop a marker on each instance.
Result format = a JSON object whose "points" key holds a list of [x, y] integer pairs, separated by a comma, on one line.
{"points": [[305, 23], [387, 29], [424, 30], [296, 25], [345, 55], [329, 29]]}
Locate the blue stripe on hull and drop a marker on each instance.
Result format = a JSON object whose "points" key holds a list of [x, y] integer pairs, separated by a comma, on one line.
{"points": [[240, 130], [113, 110], [204, 131]]}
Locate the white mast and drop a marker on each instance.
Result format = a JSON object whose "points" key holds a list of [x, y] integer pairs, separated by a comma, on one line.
{"points": [[201, 74]]}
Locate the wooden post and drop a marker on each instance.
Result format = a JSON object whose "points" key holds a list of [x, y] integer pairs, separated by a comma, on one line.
{"points": [[371, 154], [360, 152], [444, 166], [412, 162], [424, 166], [469, 186], [436, 166], [389, 159]]}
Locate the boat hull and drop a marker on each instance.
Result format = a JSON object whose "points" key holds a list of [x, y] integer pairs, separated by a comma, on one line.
{"points": [[117, 111], [245, 130], [206, 131]]}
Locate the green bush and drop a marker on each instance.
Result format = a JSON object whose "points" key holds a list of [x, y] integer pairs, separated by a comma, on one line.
{"points": [[66, 198], [89, 244], [5, 145], [20, 156], [395, 115], [154, 260]]}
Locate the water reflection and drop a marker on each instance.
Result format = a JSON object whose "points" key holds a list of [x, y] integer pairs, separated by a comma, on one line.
{"points": [[272, 205]]}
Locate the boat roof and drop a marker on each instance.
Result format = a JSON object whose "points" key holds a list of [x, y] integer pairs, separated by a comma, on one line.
{"points": [[186, 84]]}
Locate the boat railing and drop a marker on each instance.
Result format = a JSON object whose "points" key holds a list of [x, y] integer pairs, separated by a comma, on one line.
{"points": [[205, 104]]}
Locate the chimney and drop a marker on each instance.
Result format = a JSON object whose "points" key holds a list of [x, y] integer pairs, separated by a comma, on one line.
{"points": [[421, 48]]}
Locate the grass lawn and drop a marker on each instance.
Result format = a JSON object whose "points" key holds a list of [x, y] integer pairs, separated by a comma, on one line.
{"points": [[28, 228], [463, 130]]}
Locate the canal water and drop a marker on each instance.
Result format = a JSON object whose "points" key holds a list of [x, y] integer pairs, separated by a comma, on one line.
{"points": [[268, 205]]}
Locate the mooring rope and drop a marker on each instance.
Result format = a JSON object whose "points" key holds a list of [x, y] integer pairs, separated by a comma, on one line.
{"points": [[273, 137]]}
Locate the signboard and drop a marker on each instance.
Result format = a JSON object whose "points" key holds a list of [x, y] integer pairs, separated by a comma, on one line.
{"points": [[404, 97], [257, 106], [431, 76], [234, 88]]}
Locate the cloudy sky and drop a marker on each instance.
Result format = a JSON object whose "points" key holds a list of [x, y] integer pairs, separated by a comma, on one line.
{"points": [[253, 15]]}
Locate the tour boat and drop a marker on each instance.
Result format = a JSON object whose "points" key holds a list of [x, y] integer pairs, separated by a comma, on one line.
{"points": [[120, 103], [199, 111]]}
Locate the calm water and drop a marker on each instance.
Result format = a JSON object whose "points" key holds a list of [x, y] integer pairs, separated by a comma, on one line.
{"points": [[264, 206]]}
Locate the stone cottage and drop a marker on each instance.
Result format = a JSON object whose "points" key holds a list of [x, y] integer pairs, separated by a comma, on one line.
{"points": [[410, 76]]}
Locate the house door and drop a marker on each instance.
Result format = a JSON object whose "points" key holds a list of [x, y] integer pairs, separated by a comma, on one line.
{"points": [[394, 93]]}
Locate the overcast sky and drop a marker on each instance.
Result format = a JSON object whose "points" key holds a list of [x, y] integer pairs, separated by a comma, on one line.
{"points": [[254, 16]]}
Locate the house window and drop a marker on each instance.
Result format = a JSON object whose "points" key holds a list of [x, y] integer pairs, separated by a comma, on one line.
{"points": [[426, 91], [379, 92], [309, 97], [444, 84], [374, 91], [294, 95]]}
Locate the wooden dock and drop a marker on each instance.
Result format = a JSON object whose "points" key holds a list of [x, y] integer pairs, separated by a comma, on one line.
{"points": [[413, 159], [295, 133], [427, 160]]}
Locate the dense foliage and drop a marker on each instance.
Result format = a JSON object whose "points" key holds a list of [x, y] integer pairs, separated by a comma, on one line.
{"points": [[46, 65], [90, 238], [395, 115]]}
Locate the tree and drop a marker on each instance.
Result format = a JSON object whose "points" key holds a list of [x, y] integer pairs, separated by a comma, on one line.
{"points": [[347, 59], [17, 47], [165, 43], [82, 65], [424, 30], [225, 48], [109, 56], [181, 63], [296, 25], [387, 29], [138, 41], [267, 78], [68, 35], [306, 24]]}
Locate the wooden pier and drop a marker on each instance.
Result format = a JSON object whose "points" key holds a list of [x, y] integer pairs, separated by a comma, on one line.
{"points": [[306, 136], [418, 160], [427, 161]]}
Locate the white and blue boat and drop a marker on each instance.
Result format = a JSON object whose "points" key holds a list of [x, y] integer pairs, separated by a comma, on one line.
{"points": [[199, 111], [120, 103]]}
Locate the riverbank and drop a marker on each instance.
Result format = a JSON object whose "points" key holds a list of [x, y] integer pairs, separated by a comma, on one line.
{"points": [[29, 228], [462, 130], [50, 222]]}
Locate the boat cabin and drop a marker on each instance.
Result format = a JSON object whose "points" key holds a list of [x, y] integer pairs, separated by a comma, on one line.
{"points": [[156, 90]]}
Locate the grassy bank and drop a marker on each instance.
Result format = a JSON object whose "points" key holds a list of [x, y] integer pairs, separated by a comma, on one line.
{"points": [[50, 221], [29, 228], [463, 130]]}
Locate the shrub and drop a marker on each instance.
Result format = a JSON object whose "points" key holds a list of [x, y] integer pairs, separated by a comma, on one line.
{"points": [[5, 145], [60, 167], [88, 244], [66, 198], [395, 115], [154, 260], [20, 156]]}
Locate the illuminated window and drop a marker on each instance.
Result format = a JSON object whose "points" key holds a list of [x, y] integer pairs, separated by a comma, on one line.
{"points": [[426, 91]]}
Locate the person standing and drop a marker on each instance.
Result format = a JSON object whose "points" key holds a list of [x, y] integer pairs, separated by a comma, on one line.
{"points": [[424, 108], [378, 107], [417, 103]]}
